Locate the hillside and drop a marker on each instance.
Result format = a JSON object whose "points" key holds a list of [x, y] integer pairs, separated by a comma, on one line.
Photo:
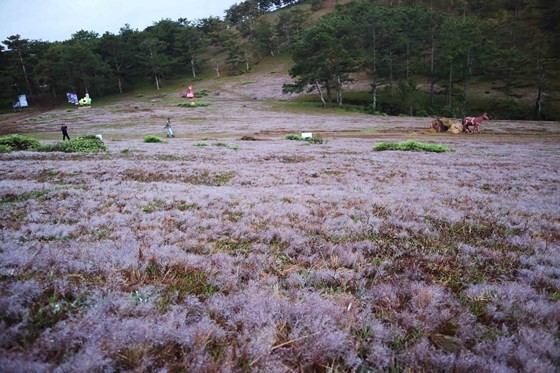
{"points": [[380, 57]]}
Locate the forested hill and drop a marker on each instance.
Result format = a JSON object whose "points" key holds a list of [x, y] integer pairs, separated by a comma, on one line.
{"points": [[419, 57]]}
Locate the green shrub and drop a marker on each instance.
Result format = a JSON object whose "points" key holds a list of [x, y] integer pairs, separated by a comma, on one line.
{"points": [[80, 144], [152, 138], [5, 149], [411, 146], [316, 139], [193, 104], [202, 93], [19, 142], [293, 136], [200, 144]]}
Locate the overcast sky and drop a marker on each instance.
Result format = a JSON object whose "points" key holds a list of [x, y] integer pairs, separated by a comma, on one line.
{"points": [[57, 20]]}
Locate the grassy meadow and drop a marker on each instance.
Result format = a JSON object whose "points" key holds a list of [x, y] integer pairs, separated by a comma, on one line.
{"points": [[279, 255]]}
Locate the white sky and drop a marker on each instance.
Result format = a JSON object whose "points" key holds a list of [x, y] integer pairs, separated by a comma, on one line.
{"points": [[57, 20]]}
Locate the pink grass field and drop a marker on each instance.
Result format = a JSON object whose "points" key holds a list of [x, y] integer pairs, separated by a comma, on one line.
{"points": [[281, 256]]}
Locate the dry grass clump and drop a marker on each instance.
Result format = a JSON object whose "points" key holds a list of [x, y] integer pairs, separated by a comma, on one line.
{"points": [[446, 124], [456, 127]]}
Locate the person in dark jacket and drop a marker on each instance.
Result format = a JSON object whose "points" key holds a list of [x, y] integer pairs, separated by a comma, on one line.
{"points": [[64, 130]]}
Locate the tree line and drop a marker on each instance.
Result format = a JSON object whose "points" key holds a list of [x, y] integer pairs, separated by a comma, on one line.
{"points": [[114, 63], [397, 44], [423, 61]]}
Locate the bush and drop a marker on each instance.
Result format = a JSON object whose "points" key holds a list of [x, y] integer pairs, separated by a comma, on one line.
{"points": [[315, 139], [5, 149], [293, 136], [80, 144], [152, 138], [202, 93], [193, 104], [411, 146], [19, 142], [248, 138]]}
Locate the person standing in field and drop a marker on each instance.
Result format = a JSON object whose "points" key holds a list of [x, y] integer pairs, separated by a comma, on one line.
{"points": [[169, 129], [64, 130]]}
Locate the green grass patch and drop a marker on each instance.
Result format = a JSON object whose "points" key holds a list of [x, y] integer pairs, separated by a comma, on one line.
{"points": [[222, 179], [176, 282], [153, 139], [81, 144], [316, 139], [202, 93], [51, 307], [18, 142], [412, 146], [293, 136], [153, 206], [5, 149], [193, 104], [39, 194]]}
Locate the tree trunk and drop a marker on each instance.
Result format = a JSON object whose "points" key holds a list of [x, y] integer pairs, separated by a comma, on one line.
{"points": [[192, 68], [25, 73], [119, 80], [157, 82], [538, 102], [407, 60], [85, 83], [374, 98], [432, 70], [391, 71], [467, 73], [339, 91], [318, 86], [450, 81], [374, 83]]}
